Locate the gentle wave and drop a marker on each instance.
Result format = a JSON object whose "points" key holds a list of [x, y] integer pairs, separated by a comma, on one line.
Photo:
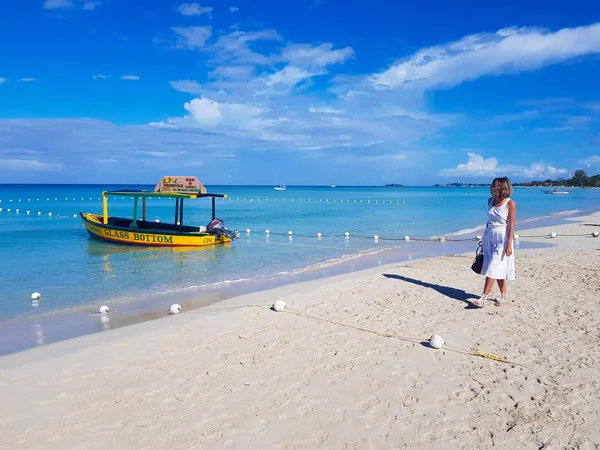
{"points": [[465, 231]]}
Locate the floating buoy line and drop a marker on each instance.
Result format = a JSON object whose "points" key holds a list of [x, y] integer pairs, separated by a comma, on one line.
{"points": [[348, 235], [226, 199]]}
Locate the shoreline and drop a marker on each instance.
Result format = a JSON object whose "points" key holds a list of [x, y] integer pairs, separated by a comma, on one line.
{"points": [[222, 378], [286, 287], [56, 326]]}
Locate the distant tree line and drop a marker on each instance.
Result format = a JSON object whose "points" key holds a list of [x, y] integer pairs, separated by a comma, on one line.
{"points": [[579, 179]]}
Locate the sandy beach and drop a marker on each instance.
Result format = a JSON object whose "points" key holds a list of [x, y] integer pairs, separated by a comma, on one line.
{"points": [[253, 378]]}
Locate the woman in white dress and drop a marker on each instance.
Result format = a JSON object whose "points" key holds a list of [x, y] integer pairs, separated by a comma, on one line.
{"points": [[497, 242]]}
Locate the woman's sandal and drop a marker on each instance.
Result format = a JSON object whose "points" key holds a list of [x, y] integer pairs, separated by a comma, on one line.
{"points": [[503, 299], [480, 301]]}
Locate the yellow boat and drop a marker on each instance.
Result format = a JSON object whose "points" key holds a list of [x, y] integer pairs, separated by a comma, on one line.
{"points": [[134, 231]]}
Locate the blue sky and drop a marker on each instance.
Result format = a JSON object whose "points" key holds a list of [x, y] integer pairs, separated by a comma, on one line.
{"points": [[298, 92]]}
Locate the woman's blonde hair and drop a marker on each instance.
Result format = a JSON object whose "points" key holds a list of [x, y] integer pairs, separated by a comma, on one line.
{"points": [[501, 188]]}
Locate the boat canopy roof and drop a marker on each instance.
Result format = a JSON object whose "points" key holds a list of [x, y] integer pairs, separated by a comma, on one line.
{"points": [[140, 193], [171, 187]]}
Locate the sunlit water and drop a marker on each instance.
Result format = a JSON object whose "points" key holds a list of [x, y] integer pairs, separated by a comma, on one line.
{"points": [[53, 254]]}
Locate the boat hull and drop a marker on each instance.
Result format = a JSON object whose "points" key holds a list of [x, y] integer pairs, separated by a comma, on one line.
{"points": [[152, 238]]}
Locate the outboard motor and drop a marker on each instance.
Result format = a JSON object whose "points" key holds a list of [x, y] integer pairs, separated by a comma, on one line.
{"points": [[217, 228]]}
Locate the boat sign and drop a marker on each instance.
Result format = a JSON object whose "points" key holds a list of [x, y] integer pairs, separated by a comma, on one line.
{"points": [[182, 185]]}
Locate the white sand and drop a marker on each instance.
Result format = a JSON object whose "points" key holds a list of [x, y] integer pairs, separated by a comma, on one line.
{"points": [[255, 379]]}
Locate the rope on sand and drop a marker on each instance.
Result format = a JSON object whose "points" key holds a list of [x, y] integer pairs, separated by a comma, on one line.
{"points": [[414, 340]]}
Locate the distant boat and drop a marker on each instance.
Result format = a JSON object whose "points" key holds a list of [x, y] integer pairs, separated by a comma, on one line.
{"points": [[556, 192], [281, 187], [333, 185]]}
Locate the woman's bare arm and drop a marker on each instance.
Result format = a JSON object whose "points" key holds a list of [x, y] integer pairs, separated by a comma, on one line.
{"points": [[512, 215]]}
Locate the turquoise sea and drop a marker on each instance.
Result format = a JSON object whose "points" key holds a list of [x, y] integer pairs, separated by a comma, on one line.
{"points": [[45, 248]]}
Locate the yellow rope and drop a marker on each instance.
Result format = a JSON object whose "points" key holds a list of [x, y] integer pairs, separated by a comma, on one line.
{"points": [[413, 340], [404, 338]]}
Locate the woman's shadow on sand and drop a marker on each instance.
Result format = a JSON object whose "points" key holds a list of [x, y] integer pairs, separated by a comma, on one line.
{"points": [[453, 293]]}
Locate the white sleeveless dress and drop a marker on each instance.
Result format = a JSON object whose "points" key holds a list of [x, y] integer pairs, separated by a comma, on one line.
{"points": [[495, 262]]}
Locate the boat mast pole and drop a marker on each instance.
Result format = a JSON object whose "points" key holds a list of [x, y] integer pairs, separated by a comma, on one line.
{"points": [[104, 208], [135, 210], [181, 213], [214, 214], [176, 210], [144, 209]]}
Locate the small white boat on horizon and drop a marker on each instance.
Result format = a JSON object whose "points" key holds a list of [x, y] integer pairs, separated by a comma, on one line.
{"points": [[557, 192], [281, 187]]}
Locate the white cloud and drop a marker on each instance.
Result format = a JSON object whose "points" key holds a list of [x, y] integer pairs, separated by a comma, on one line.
{"points": [[2, 80], [233, 72], [28, 164], [193, 9], [509, 50], [101, 77], [234, 48], [594, 106], [210, 113], [386, 158], [26, 80], [90, 5], [233, 9], [478, 166], [593, 160], [130, 77], [56, 4], [326, 110], [307, 55], [540, 170], [288, 76], [565, 128], [188, 86], [86, 5], [191, 38]]}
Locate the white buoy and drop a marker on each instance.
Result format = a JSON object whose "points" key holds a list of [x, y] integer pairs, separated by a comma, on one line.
{"points": [[74, 215], [49, 213], [279, 305], [479, 238], [175, 308], [442, 239], [436, 341], [290, 233], [553, 235], [319, 235], [267, 231], [36, 296], [516, 237], [596, 234], [346, 234], [376, 237], [247, 230], [8, 210], [104, 309], [407, 238]]}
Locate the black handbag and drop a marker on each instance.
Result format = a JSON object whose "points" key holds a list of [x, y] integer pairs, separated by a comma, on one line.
{"points": [[477, 265]]}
